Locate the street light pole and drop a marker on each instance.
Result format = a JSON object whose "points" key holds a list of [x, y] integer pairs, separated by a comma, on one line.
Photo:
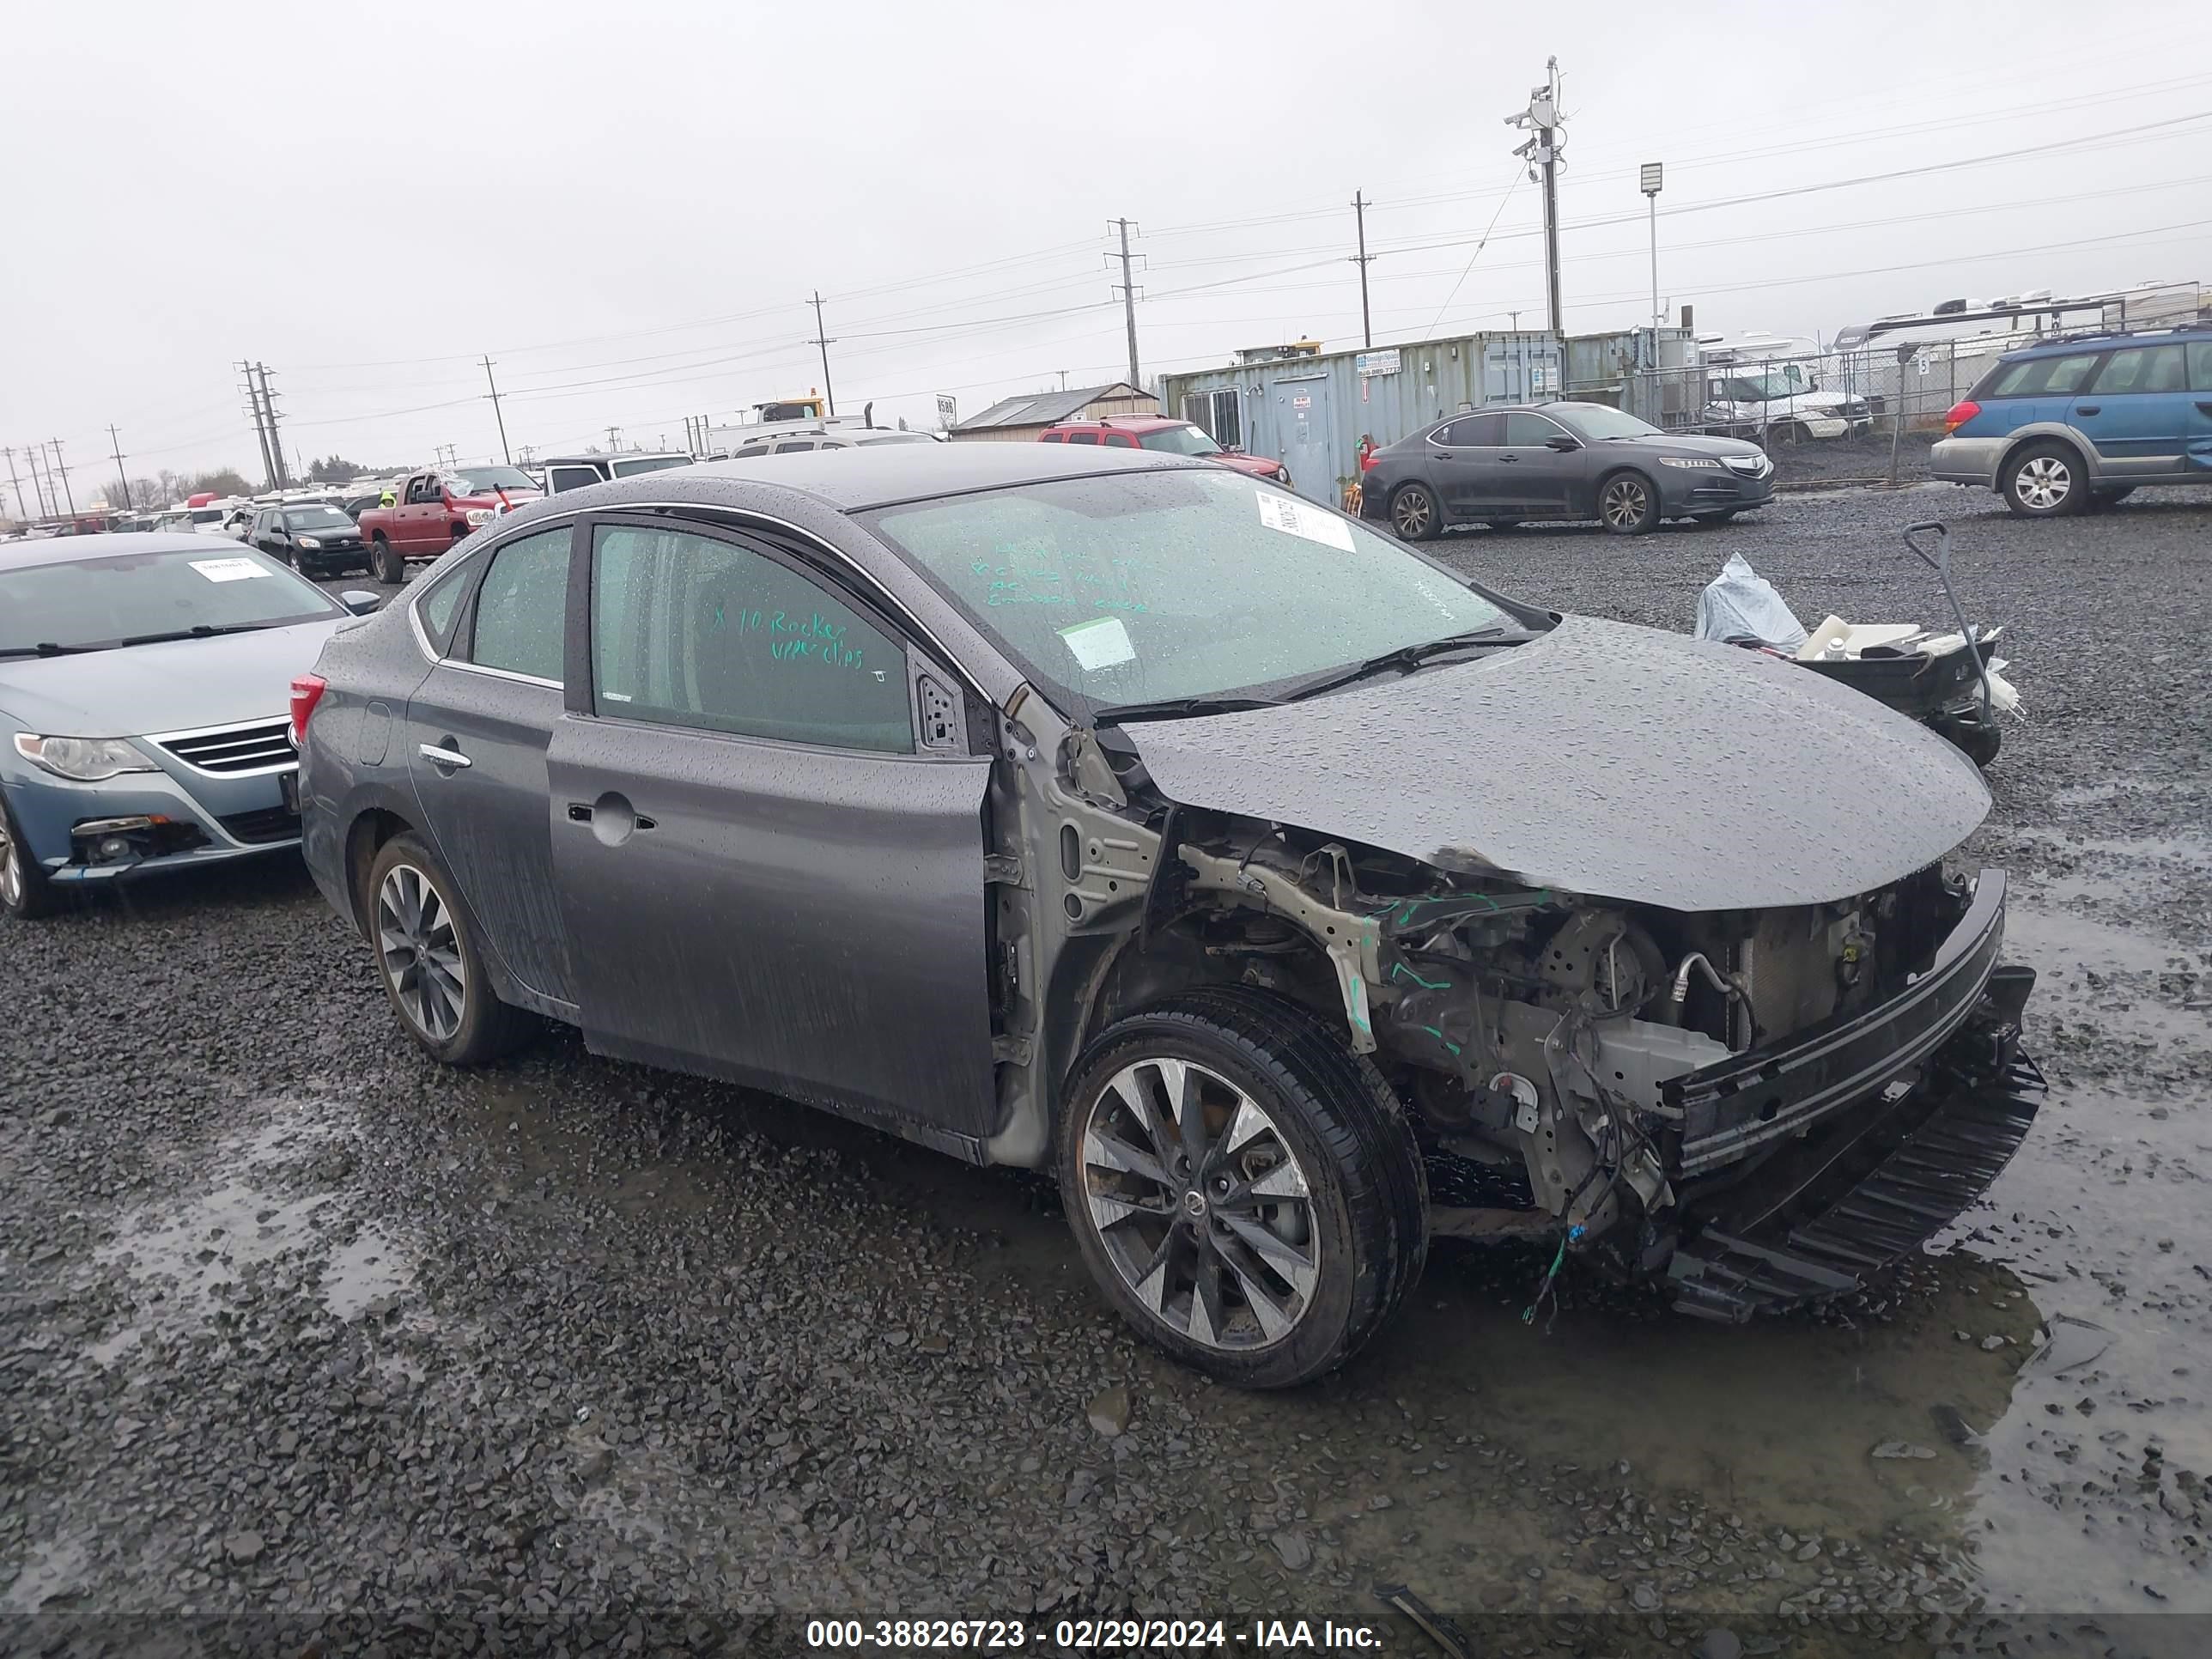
{"points": [[1654, 175]]}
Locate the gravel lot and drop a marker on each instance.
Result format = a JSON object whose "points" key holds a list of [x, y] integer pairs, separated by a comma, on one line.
{"points": [[308, 1341]]}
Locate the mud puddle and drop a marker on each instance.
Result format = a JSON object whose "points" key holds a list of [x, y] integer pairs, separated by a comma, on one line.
{"points": [[270, 1201]]}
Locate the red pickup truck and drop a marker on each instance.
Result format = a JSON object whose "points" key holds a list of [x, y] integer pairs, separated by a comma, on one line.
{"points": [[435, 509]]}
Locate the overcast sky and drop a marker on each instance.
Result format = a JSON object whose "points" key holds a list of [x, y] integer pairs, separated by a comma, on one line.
{"points": [[628, 207]]}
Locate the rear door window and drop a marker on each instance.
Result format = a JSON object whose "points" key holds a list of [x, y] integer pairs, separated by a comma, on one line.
{"points": [[2200, 366], [558, 478], [1083, 437], [789, 448], [1472, 431], [522, 608], [694, 631], [1120, 440]]}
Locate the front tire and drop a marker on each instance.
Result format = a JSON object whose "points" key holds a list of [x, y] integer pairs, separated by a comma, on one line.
{"points": [[1244, 1188], [429, 959], [2045, 481], [386, 563], [1414, 513], [1628, 504], [26, 892]]}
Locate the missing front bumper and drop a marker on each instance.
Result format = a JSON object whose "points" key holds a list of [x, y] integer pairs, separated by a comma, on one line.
{"points": [[1823, 1219]]}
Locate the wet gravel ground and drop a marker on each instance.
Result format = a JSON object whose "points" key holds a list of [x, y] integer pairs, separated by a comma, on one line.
{"points": [[306, 1340]]}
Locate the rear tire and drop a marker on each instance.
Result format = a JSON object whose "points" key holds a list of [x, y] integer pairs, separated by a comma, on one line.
{"points": [[1414, 513], [387, 565], [2045, 481], [1298, 1144], [1628, 504], [427, 955], [25, 891]]}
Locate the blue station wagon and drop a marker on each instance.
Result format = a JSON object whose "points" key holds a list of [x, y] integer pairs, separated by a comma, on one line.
{"points": [[2079, 424]]}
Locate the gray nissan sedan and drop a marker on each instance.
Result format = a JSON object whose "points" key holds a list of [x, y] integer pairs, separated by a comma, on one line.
{"points": [[1293, 898]]}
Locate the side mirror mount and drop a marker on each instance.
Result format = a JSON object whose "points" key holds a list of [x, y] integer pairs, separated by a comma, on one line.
{"points": [[361, 601], [1562, 443]]}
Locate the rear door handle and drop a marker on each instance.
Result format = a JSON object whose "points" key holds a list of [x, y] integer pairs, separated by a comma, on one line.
{"points": [[2089, 409], [1508, 457], [578, 813], [438, 755]]}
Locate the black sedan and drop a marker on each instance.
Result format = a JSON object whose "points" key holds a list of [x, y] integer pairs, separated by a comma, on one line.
{"points": [[1564, 460], [315, 540]]}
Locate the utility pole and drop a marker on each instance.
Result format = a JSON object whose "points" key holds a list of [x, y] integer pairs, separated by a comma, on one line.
{"points": [[122, 477], [62, 467], [614, 438], [822, 338], [260, 426], [1359, 205], [16, 485], [275, 444], [1545, 140], [1128, 298], [1653, 176], [495, 415]]}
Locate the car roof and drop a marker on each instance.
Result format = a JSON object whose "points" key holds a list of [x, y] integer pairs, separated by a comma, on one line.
{"points": [[2187, 333], [69, 549], [627, 455], [1123, 423], [855, 479]]}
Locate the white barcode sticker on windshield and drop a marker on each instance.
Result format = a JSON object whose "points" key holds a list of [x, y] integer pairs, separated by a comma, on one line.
{"points": [[228, 570], [1099, 643], [1298, 519]]}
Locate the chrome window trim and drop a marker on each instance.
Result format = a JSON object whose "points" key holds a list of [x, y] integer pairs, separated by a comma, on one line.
{"points": [[164, 738], [501, 673], [898, 610]]}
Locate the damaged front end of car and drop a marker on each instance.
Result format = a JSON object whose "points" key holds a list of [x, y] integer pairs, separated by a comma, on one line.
{"points": [[1763, 1107]]}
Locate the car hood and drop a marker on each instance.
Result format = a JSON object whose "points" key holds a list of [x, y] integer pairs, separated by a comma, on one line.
{"points": [[328, 533], [1258, 466], [175, 687], [1612, 761], [1690, 443]]}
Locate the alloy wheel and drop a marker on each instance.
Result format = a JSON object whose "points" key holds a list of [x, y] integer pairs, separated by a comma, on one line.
{"points": [[1201, 1204], [11, 869], [2043, 482], [1410, 512], [422, 952], [1627, 501]]}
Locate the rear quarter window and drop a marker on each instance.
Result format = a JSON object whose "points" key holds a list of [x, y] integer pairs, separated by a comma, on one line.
{"points": [[2038, 376]]}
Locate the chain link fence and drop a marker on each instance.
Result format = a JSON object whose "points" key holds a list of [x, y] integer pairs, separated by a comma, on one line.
{"points": [[1806, 399]]}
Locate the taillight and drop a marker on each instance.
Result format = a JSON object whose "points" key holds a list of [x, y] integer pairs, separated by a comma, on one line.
{"points": [[1960, 414], [306, 691]]}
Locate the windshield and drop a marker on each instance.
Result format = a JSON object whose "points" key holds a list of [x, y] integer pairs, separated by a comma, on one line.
{"points": [[100, 601], [485, 480], [1124, 588], [649, 463], [317, 518], [1180, 440], [1776, 383], [1597, 423]]}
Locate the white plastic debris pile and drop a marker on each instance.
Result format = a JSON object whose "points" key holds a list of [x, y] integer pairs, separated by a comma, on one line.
{"points": [[1838, 640], [1741, 605]]}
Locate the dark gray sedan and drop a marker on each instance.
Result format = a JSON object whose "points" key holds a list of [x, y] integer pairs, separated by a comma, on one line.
{"points": [[1564, 460], [1289, 896]]}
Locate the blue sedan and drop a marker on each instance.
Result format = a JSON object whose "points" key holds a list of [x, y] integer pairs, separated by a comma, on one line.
{"points": [[143, 719]]}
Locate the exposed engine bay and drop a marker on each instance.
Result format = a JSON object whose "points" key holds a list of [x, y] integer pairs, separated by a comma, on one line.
{"points": [[1673, 1091]]}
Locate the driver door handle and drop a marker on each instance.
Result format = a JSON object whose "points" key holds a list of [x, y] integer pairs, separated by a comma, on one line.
{"points": [[445, 757], [1509, 457], [2089, 409]]}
